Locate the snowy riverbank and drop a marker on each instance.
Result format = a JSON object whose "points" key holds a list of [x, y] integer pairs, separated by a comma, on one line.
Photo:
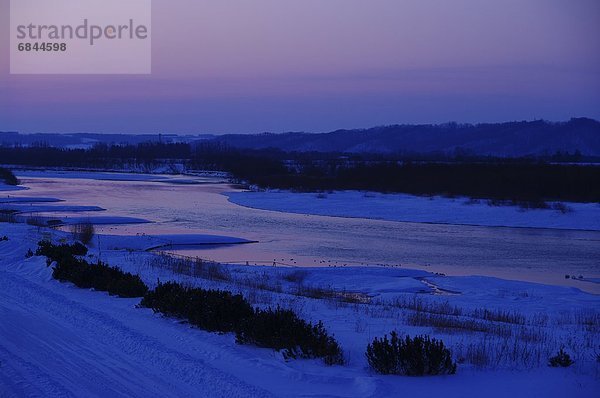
{"points": [[409, 208]]}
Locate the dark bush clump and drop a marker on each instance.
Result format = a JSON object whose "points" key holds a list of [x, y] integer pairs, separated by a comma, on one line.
{"points": [[283, 330], [59, 252], [562, 359], [8, 177], [212, 310], [99, 276], [222, 311], [416, 356]]}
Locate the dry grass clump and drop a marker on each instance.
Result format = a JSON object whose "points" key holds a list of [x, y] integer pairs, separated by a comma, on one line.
{"points": [[83, 232], [297, 276], [8, 216]]}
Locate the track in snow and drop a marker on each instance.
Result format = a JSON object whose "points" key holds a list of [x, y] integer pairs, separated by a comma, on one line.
{"points": [[69, 348]]}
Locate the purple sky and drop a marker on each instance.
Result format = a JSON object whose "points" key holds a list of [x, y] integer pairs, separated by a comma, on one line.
{"points": [[222, 66]]}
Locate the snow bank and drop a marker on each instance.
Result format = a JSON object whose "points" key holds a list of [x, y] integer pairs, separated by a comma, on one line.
{"points": [[370, 281], [8, 188], [32, 208], [408, 208], [28, 199], [154, 242]]}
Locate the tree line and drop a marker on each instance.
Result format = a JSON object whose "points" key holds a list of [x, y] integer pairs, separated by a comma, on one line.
{"points": [[516, 179]]}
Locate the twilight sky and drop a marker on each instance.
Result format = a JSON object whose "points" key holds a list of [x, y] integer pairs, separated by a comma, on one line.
{"points": [[224, 66]]}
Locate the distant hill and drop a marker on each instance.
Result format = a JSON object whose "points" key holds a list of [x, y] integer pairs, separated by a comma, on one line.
{"points": [[87, 140], [498, 139]]}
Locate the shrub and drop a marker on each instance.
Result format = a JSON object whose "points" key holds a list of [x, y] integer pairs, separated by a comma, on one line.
{"points": [[127, 285], [416, 356], [562, 359], [283, 330], [170, 298], [8, 177], [59, 252], [99, 276], [222, 311], [83, 232], [212, 310]]}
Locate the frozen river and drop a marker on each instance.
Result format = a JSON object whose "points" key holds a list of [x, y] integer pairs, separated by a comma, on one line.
{"points": [[200, 206]]}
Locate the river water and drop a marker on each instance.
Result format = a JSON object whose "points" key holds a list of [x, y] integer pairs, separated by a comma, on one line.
{"points": [[538, 255]]}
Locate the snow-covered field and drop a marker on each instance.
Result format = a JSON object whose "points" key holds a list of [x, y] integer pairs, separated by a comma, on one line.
{"points": [[401, 207], [58, 340]]}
